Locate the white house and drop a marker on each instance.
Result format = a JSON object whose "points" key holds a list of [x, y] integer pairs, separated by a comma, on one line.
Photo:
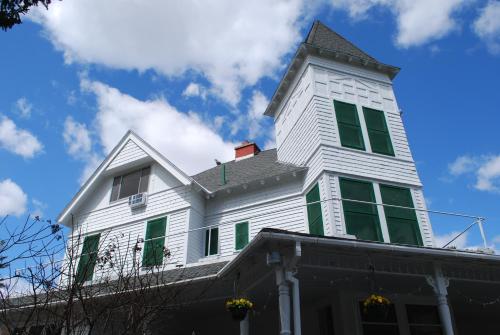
{"points": [[307, 230]]}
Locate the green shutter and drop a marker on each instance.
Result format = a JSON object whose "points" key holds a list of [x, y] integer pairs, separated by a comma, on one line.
{"points": [[361, 219], [314, 213], [402, 223], [349, 126], [241, 235], [214, 241], [88, 258], [154, 242], [380, 140], [207, 241]]}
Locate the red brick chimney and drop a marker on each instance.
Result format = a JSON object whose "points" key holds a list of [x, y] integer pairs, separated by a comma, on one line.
{"points": [[246, 150]]}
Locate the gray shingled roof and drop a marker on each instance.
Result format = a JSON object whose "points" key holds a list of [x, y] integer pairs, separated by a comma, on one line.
{"points": [[323, 37], [262, 166]]}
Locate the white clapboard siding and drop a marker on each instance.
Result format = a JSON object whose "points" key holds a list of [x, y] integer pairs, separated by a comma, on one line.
{"points": [[120, 212], [423, 217], [362, 92], [367, 165], [195, 236], [130, 152], [125, 237], [286, 214], [340, 228]]}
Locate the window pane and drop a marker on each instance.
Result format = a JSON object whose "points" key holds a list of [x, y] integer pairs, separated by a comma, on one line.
{"points": [[388, 315], [325, 321], [380, 139], [241, 238], [351, 136], [214, 240], [363, 226], [156, 228], [375, 119], [115, 189], [423, 314], [153, 252], [425, 330], [380, 330], [361, 219], [346, 113], [143, 187], [130, 184], [380, 142], [314, 212], [348, 124], [402, 223], [88, 258]]}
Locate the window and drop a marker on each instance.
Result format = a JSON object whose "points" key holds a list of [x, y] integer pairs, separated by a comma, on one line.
{"points": [[361, 219], [211, 241], [325, 321], [86, 265], [241, 235], [314, 213], [375, 322], [349, 127], [401, 223], [130, 184], [154, 243], [423, 320], [378, 133]]}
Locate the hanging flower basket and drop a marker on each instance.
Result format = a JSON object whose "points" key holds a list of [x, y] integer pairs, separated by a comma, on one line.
{"points": [[376, 305], [239, 308]]}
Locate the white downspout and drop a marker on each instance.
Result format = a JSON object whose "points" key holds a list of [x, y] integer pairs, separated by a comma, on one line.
{"points": [[295, 303], [297, 324]]}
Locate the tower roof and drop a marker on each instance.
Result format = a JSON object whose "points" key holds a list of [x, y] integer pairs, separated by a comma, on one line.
{"points": [[322, 37], [323, 42]]}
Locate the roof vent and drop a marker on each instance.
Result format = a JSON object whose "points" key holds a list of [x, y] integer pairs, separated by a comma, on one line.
{"points": [[246, 150]]}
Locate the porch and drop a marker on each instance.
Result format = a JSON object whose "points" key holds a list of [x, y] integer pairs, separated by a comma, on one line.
{"points": [[334, 276]]}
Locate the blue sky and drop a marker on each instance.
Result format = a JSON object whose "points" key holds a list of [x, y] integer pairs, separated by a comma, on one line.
{"points": [[195, 81]]}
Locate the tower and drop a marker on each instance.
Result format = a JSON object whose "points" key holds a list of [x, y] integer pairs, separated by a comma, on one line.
{"points": [[335, 112]]}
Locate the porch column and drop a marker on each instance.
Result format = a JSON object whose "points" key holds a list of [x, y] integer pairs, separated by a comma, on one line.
{"points": [[245, 325], [439, 284], [284, 301]]}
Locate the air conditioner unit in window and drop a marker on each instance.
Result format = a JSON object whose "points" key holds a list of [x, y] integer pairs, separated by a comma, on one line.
{"points": [[138, 200]]}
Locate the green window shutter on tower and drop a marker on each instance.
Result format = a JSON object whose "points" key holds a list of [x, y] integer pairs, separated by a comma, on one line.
{"points": [[154, 242], [351, 135], [361, 219], [314, 213], [88, 258], [402, 223], [241, 238], [378, 133]]}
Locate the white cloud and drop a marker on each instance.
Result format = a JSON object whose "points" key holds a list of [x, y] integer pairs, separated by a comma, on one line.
{"points": [[487, 26], [418, 22], [459, 243], [195, 90], [461, 165], [39, 207], [485, 169], [255, 114], [183, 138], [231, 43], [12, 199], [488, 175], [18, 141], [24, 107], [77, 138]]}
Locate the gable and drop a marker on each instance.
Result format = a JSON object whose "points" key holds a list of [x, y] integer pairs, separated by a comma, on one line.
{"points": [[130, 152]]}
